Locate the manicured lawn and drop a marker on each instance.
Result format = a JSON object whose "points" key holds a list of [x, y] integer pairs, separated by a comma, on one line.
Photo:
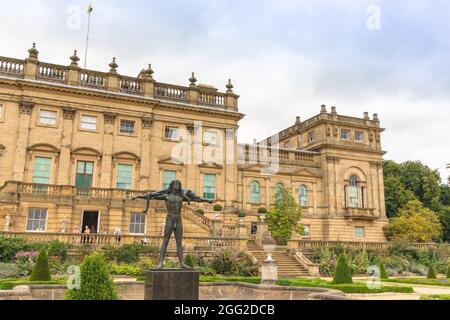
{"points": [[436, 297], [432, 282], [8, 284], [356, 287]]}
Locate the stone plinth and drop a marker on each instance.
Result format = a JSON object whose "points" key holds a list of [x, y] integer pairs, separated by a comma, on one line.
{"points": [[172, 284], [269, 273]]}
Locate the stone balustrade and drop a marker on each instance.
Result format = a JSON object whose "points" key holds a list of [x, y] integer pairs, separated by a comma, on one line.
{"points": [[144, 85]]}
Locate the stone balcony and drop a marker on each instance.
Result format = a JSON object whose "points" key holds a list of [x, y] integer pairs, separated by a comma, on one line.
{"points": [[143, 85], [360, 214]]}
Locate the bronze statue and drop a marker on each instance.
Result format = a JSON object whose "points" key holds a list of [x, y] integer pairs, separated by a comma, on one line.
{"points": [[174, 196]]}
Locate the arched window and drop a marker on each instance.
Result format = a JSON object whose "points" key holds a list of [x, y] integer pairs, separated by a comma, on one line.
{"points": [[303, 196], [354, 196], [278, 188], [255, 196]]}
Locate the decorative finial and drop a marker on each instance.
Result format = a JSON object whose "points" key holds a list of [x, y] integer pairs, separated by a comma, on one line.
{"points": [[333, 110], [33, 52], [229, 86], [74, 59], [298, 120], [193, 80], [366, 116], [323, 109], [113, 66], [375, 117]]}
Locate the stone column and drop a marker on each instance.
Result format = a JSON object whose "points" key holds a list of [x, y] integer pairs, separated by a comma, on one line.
{"points": [[263, 227], [268, 193], [108, 135], [191, 173], [380, 179], [66, 146], [230, 158], [25, 109], [144, 175]]}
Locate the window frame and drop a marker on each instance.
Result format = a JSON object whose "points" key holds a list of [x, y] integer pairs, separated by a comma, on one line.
{"points": [[349, 134], [42, 124], [28, 218], [362, 134], [252, 192], [166, 138], [120, 132], [312, 137], [307, 227], [91, 116], [357, 235], [50, 172], [205, 194], [163, 177], [301, 196], [137, 224], [122, 164]]}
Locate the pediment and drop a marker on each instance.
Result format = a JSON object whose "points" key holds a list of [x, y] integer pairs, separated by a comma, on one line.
{"points": [[307, 172], [169, 161], [87, 151], [212, 165], [44, 147]]}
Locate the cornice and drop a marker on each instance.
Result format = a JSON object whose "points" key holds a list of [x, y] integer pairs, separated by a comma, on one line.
{"points": [[348, 148]]}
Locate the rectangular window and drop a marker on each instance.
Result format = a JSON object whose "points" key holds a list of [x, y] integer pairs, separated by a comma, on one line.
{"points": [[168, 177], [209, 186], [210, 138], [345, 134], [37, 219], [137, 223], [89, 123], [254, 228], [127, 127], [47, 118], [353, 197], [85, 172], [307, 231], [124, 176], [2, 111], [171, 133], [312, 137], [360, 232], [359, 136], [42, 170]]}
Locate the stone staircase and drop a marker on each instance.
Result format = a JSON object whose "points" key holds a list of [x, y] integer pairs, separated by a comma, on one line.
{"points": [[288, 267]]}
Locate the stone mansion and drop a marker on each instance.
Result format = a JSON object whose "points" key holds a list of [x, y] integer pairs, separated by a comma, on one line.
{"points": [[76, 145]]}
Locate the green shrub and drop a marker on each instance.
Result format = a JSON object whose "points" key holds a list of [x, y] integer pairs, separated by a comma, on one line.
{"points": [[189, 261], [201, 212], [435, 297], [383, 273], [262, 210], [431, 273], [96, 282], [9, 247], [146, 264], [126, 270], [128, 253], [233, 263], [343, 272], [242, 214], [41, 270], [9, 270], [448, 272], [217, 208]]}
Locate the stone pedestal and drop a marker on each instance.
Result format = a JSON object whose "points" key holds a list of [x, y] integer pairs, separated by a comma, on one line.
{"points": [[269, 273], [263, 227], [172, 284]]}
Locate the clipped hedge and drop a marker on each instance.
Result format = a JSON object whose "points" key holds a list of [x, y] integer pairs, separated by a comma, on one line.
{"points": [[343, 272], [41, 270], [383, 274], [431, 273]]}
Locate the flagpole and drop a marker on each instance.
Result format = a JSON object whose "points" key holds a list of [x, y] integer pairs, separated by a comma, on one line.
{"points": [[87, 37]]}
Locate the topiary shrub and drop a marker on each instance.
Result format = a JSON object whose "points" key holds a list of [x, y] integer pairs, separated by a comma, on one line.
{"points": [[217, 208], [262, 210], [95, 281], [242, 214], [189, 261], [41, 270], [343, 272], [431, 273], [383, 273], [448, 272], [201, 212]]}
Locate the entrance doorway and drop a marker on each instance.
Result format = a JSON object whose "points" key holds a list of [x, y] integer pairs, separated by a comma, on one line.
{"points": [[92, 220]]}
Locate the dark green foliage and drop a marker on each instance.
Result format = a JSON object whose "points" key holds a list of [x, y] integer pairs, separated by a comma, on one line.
{"points": [[189, 260], [262, 210], [383, 274], [128, 253], [41, 270], [233, 263], [343, 272], [217, 208], [201, 212], [96, 281], [9, 247], [242, 214], [448, 272], [431, 273]]}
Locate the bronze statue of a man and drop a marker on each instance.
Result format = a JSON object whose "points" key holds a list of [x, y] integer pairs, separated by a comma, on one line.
{"points": [[174, 197]]}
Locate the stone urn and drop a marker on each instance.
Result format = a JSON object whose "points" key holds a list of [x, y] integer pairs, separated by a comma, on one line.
{"points": [[269, 245]]}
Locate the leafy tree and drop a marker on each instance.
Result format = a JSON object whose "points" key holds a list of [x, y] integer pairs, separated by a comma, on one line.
{"points": [[285, 217], [396, 195], [414, 223], [41, 270], [448, 272], [444, 217], [431, 273], [96, 281], [445, 195], [343, 272]]}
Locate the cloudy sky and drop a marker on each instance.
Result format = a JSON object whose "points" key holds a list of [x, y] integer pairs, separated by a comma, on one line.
{"points": [[285, 57]]}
